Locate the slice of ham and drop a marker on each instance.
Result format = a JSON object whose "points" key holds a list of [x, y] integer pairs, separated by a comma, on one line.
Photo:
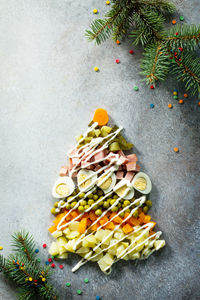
{"points": [[121, 153], [132, 157], [129, 175], [120, 174], [131, 166], [123, 159], [97, 167], [99, 155], [63, 171]]}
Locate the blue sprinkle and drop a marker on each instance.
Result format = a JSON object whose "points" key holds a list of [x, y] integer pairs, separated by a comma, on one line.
{"points": [[36, 250], [98, 298], [151, 105], [46, 262], [175, 90]]}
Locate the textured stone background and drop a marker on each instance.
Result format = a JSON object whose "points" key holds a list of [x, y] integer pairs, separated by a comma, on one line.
{"points": [[48, 93]]}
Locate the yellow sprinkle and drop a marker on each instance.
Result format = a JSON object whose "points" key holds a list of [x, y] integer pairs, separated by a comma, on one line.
{"points": [[107, 2], [95, 11], [96, 69], [175, 93], [1, 248], [43, 279], [30, 279]]}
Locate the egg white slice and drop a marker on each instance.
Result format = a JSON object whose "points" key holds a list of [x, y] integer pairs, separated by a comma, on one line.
{"points": [[85, 184], [108, 184], [121, 188], [63, 187], [142, 183]]}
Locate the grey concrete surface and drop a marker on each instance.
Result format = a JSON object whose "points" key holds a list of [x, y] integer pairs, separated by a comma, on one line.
{"points": [[48, 93]]}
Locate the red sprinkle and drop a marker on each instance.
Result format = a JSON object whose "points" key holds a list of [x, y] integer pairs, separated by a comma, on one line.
{"points": [[44, 245], [181, 49], [35, 280], [131, 51], [176, 33], [61, 266], [179, 59], [53, 265], [152, 87], [117, 61], [50, 260], [22, 264]]}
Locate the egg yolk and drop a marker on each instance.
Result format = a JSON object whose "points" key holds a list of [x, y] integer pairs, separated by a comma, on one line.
{"points": [[62, 189], [140, 184], [120, 192], [86, 183], [105, 185]]}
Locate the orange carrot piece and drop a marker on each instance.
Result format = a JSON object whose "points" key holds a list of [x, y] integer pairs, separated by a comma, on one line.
{"points": [[95, 226], [147, 219], [112, 215], [110, 226], [101, 116], [141, 217], [52, 228], [103, 220], [118, 220], [126, 215], [127, 228], [82, 225], [58, 218], [89, 222], [133, 221], [92, 215], [74, 214], [151, 232]]}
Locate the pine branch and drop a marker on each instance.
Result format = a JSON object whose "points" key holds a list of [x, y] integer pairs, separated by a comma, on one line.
{"points": [[24, 244], [188, 71], [162, 6], [188, 37], [155, 64], [2, 264], [24, 294]]}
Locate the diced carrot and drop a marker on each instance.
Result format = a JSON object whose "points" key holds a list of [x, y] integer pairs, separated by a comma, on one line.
{"points": [[101, 116], [112, 215], [86, 215], [139, 210], [58, 218], [151, 232], [95, 226], [103, 220], [68, 218], [118, 220], [92, 215], [52, 228], [89, 222], [82, 225], [110, 226], [147, 219], [141, 218], [127, 228], [133, 221]]}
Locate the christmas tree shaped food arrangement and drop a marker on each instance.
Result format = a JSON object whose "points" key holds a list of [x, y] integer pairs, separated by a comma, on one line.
{"points": [[98, 214]]}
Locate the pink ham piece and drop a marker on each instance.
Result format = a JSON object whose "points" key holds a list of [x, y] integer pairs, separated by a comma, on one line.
{"points": [[63, 171], [99, 155], [123, 159], [97, 167], [121, 153], [129, 176], [132, 157], [86, 165], [120, 174], [131, 166]]}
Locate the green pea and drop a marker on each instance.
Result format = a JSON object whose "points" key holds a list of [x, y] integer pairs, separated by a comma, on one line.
{"points": [[98, 212], [69, 198], [119, 205], [73, 204], [83, 202], [67, 206], [81, 209], [115, 197], [123, 205], [90, 196], [149, 203], [115, 209], [95, 197], [145, 209], [112, 201], [95, 207], [86, 207], [77, 190], [99, 192], [74, 193], [105, 204], [127, 202], [135, 214], [90, 202], [53, 211], [62, 202], [100, 203], [56, 204], [127, 210], [81, 195], [122, 214]]}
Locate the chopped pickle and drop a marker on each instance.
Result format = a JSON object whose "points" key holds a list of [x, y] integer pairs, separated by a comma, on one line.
{"points": [[81, 178], [105, 185], [79, 138], [140, 184], [91, 133], [114, 147], [62, 189], [105, 130], [91, 123], [124, 144], [88, 139], [97, 132]]}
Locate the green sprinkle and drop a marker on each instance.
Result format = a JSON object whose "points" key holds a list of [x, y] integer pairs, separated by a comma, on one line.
{"points": [[86, 280], [182, 18], [79, 292], [136, 88], [52, 257], [175, 97], [38, 259], [68, 284]]}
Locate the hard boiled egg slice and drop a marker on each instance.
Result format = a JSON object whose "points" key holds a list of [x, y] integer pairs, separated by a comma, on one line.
{"points": [[63, 187], [107, 182], [124, 189], [86, 180], [142, 183]]}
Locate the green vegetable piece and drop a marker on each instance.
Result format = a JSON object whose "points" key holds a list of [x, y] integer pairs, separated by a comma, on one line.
{"points": [[105, 204], [114, 209], [91, 133], [95, 197], [97, 132], [53, 211], [68, 284], [79, 138], [135, 214], [67, 206], [86, 207], [114, 147], [81, 209], [88, 139], [145, 209], [81, 195], [86, 280], [90, 202], [83, 202], [99, 192], [105, 130], [149, 203], [98, 212], [73, 204], [55, 204], [90, 196], [91, 123], [127, 202]]}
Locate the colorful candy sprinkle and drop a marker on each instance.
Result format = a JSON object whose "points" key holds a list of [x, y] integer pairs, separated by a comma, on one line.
{"points": [[176, 33], [61, 267], [131, 51], [175, 90], [79, 292], [46, 263], [95, 11], [170, 105], [173, 22], [86, 280], [118, 42], [152, 86], [39, 260], [96, 69], [1, 248], [36, 250], [175, 97], [182, 18], [107, 2], [98, 298], [151, 105], [53, 265], [44, 245], [68, 284], [180, 101], [175, 93], [176, 149], [117, 61], [185, 95], [136, 88]]}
